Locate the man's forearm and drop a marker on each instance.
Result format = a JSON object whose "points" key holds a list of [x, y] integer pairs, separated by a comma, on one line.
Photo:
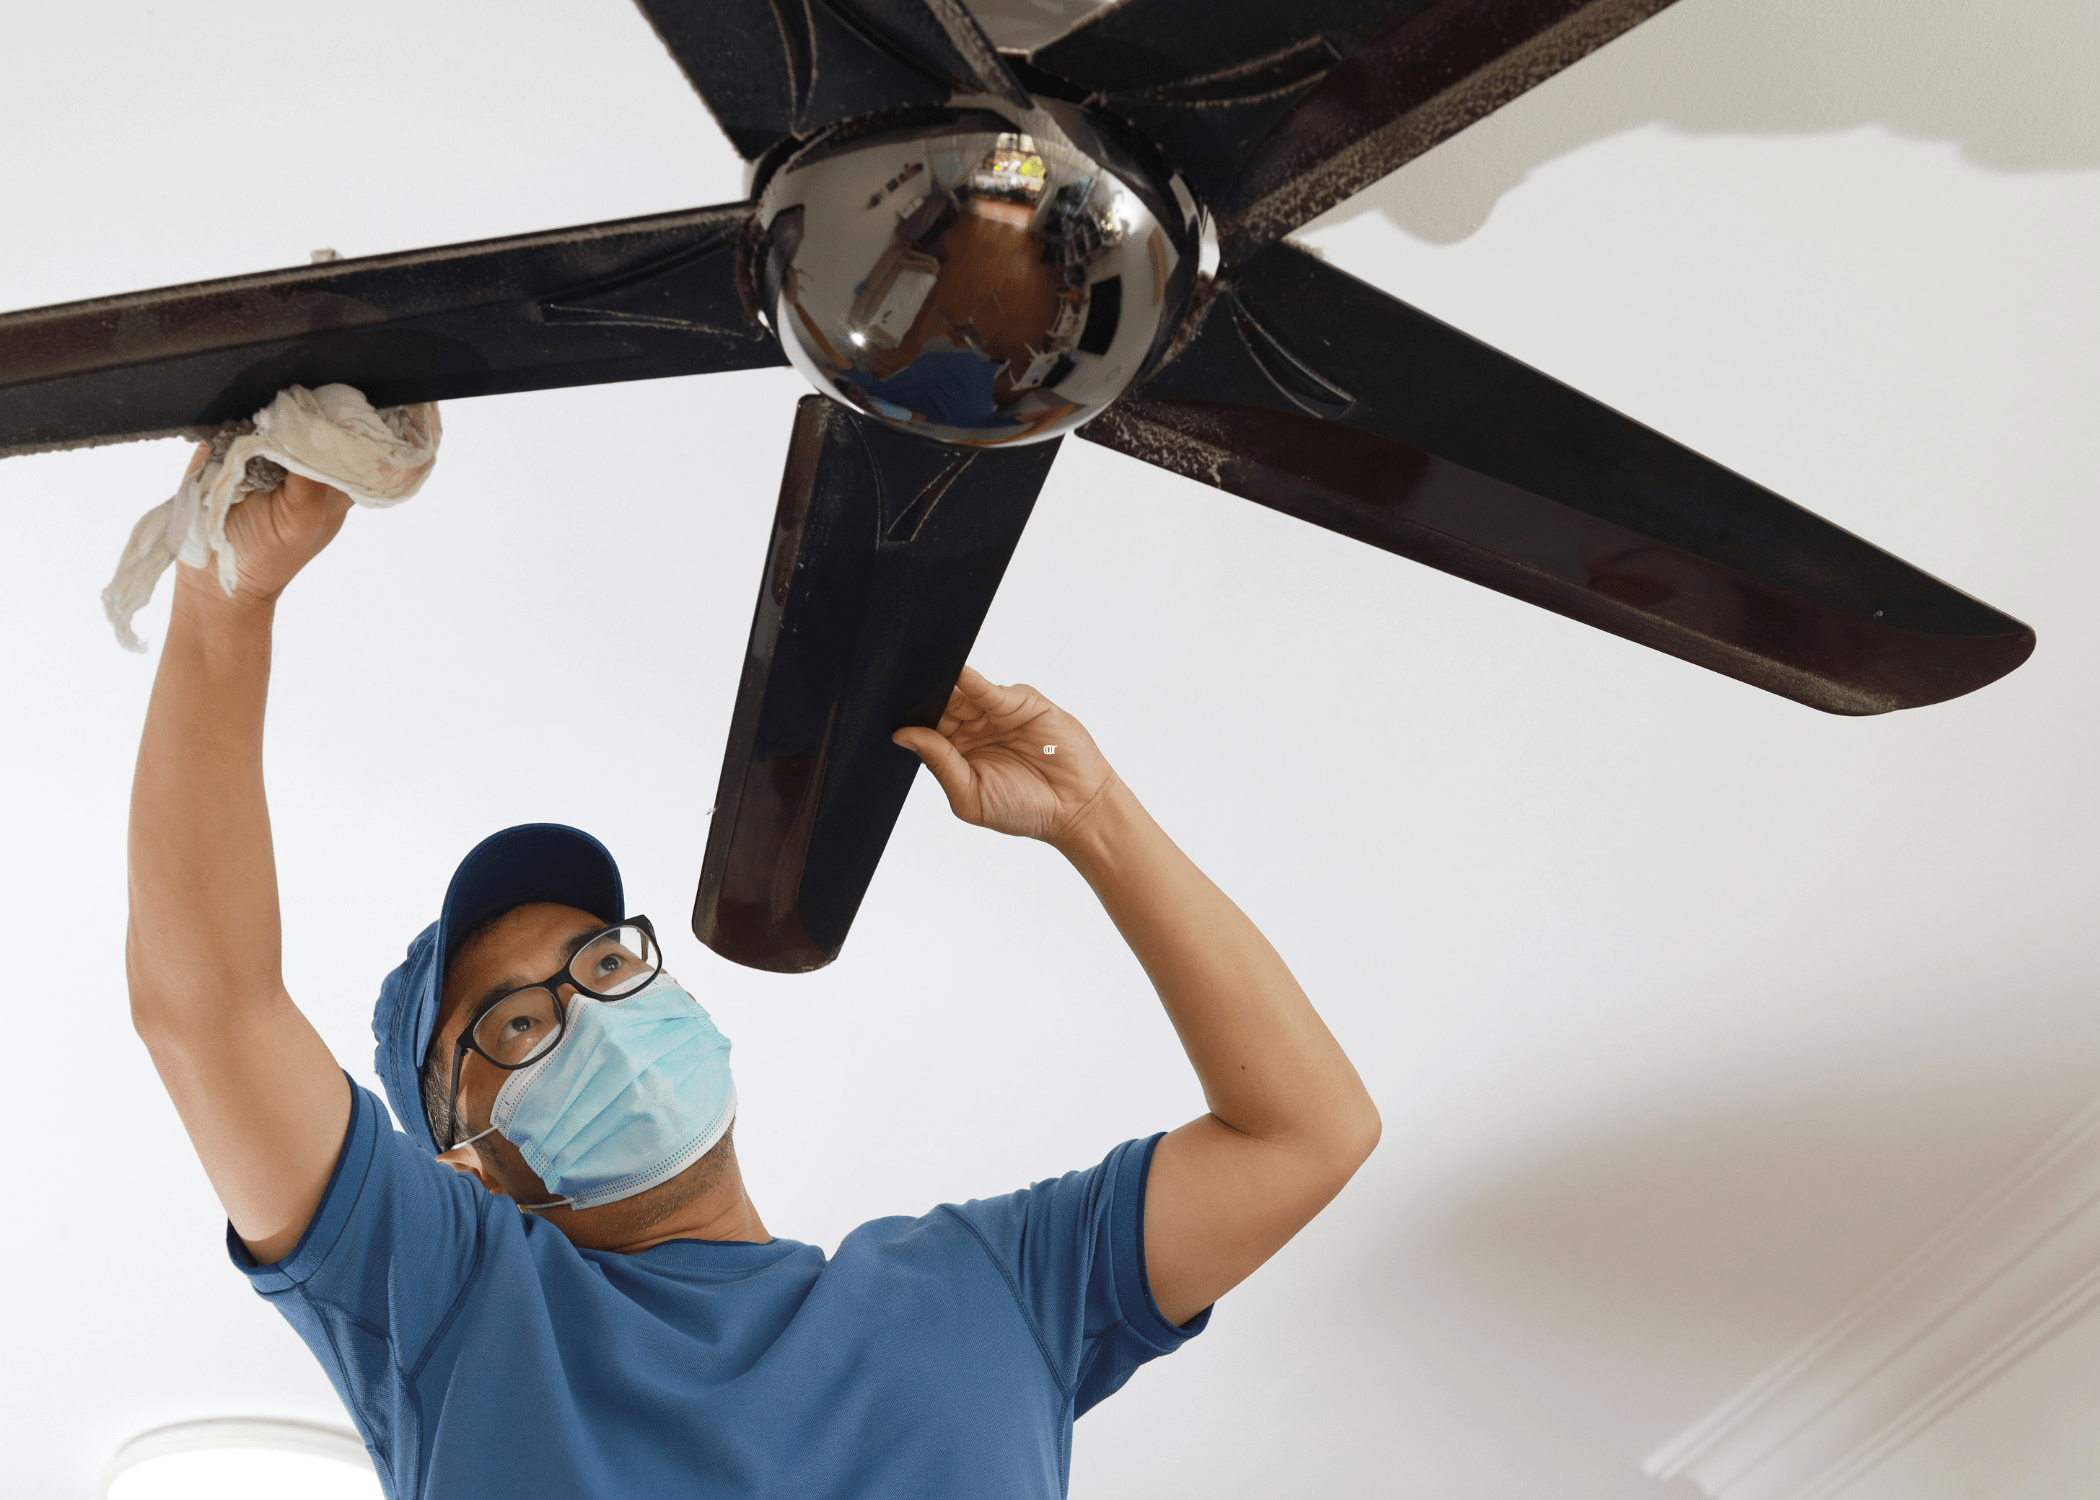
{"points": [[1289, 1121], [203, 879], [1270, 1068]]}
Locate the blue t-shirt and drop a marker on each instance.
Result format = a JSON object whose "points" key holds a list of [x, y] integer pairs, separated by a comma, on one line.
{"points": [[938, 1358]]}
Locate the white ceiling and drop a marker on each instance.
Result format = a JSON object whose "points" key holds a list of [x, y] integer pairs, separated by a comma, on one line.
{"points": [[1689, 1010]]}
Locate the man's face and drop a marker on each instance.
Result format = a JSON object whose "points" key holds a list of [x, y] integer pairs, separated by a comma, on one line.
{"points": [[522, 947]]}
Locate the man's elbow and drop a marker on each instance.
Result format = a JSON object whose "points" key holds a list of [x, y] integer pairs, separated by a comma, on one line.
{"points": [[175, 1008], [1357, 1137], [151, 1013], [157, 1009], [1342, 1142], [156, 1017]]}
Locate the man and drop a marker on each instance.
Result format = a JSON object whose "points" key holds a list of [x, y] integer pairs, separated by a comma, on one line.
{"points": [[588, 1303]]}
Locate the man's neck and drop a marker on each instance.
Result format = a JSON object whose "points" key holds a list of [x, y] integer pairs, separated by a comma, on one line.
{"points": [[711, 1216], [719, 1210]]}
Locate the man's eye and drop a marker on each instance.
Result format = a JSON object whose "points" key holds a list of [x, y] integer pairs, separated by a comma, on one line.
{"points": [[609, 964], [517, 1026]]}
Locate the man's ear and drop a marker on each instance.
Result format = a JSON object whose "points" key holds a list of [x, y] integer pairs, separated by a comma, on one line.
{"points": [[466, 1160]]}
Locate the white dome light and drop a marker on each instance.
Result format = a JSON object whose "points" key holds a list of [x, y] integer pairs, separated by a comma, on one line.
{"points": [[242, 1458]]}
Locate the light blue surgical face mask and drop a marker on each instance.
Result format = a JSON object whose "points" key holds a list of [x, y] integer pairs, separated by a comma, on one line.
{"points": [[636, 1091]]}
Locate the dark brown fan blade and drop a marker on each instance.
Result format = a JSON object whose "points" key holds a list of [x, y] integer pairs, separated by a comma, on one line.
{"points": [[773, 68], [628, 300], [886, 552], [1308, 391], [1277, 112]]}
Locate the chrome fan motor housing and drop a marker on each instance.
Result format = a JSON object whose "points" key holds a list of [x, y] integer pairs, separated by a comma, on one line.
{"points": [[981, 275]]}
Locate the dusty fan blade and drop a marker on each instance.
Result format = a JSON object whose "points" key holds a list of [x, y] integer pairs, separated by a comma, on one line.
{"points": [[886, 552], [1310, 392], [628, 300], [1275, 113], [773, 68]]}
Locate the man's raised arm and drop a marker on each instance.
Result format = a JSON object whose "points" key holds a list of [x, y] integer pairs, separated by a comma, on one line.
{"points": [[264, 1103], [1289, 1121]]}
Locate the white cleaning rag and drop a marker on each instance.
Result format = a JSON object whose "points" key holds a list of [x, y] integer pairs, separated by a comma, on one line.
{"points": [[332, 435]]}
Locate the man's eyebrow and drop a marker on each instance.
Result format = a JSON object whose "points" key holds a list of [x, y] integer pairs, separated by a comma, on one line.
{"points": [[496, 992], [509, 982]]}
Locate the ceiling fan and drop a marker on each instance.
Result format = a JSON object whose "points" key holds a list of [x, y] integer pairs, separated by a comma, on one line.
{"points": [[971, 252]]}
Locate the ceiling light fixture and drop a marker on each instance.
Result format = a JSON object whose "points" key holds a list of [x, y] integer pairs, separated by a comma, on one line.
{"points": [[242, 1458]]}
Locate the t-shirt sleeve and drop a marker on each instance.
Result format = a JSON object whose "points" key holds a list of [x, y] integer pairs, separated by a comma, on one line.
{"points": [[382, 1268], [1072, 1249]]}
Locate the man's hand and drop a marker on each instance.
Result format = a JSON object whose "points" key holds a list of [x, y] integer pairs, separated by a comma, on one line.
{"points": [[264, 1103], [274, 534], [1011, 760]]}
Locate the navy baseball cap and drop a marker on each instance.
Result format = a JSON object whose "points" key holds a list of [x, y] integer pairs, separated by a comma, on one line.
{"points": [[531, 862]]}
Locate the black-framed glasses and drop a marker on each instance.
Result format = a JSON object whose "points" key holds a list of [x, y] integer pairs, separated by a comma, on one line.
{"points": [[519, 1027]]}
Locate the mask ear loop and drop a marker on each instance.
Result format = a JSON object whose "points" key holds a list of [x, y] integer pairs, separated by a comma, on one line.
{"points": [[527, 1208]]}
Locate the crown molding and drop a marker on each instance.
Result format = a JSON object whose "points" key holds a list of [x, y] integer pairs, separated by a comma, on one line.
{"points": [[2017, 1265]]}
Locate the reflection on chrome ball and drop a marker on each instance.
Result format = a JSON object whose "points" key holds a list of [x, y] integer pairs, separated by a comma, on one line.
{"points": [[988, 276]]}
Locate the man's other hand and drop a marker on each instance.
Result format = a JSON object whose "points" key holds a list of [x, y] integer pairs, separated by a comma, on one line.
{"points": [[274, 533], [1011, 760], [1289, 1121]]}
